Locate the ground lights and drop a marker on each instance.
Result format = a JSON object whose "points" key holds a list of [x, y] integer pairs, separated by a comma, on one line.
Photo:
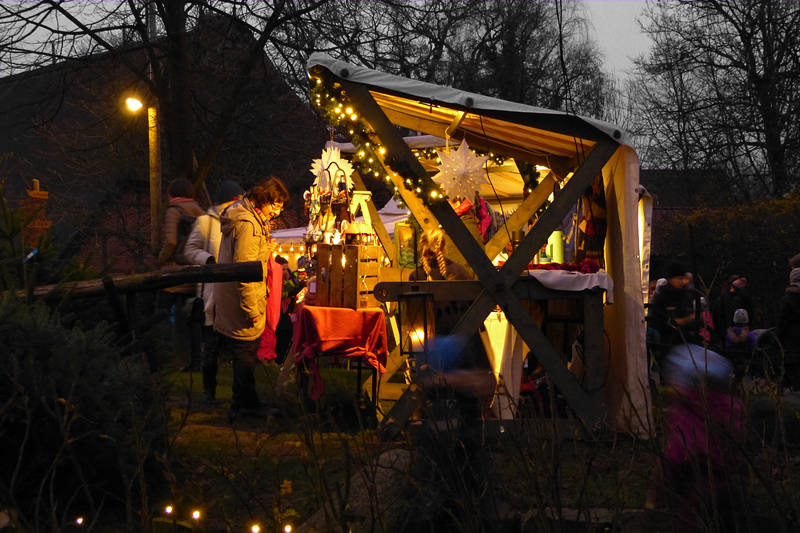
{"points": [[196, 515]]}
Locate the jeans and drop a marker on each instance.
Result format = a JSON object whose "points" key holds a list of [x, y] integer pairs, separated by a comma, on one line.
{"points": [[182, 335], [210, 359], [244, 363]]}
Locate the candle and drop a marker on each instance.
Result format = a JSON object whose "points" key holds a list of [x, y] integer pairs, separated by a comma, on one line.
{"points": [[417, 338]]}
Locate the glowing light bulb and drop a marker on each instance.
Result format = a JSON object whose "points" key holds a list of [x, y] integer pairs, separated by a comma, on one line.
{"points": [[133, 104], [349, 110], [288, 529], [79, 520], [255, 528], [168, 509], [196, 515]]}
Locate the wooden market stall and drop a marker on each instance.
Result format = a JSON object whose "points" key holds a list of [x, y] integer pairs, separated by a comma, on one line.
{"points": [[575, 151]]}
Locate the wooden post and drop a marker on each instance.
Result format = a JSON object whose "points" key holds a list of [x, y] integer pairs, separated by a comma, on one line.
{"points": [[380, 229]]}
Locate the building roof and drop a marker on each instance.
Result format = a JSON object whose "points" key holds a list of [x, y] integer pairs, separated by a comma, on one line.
{"points": [[64, 125]]}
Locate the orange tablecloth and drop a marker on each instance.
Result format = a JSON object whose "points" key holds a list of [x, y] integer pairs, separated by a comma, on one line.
{"points": [[339, 332]]}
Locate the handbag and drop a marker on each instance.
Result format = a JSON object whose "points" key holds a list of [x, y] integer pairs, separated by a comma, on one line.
{"points": [[197, 314], [195, 307]]}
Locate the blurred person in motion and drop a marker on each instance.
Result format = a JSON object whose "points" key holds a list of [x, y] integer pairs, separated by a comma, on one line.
{"points": [[698, 475], [240, 308], [202, 248]]}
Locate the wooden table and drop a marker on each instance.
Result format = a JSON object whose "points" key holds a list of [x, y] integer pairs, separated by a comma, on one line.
{"points": [[339, 332], [589, 289]]}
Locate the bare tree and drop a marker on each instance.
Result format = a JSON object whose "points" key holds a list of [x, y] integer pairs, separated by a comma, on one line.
{"points": [[42, 33], [536, 53], [202, 62], [720, 90]]}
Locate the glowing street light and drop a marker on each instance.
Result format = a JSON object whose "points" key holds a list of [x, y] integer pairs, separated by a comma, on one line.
{"points": [[134, 104], [154, 149]]}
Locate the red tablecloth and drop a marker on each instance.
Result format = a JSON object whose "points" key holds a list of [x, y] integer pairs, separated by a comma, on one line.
{"points": [[339, 332]]}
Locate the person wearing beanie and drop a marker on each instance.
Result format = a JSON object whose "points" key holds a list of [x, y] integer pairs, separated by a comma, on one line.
{"points": [[202, 247], [671, 313], [739, 337], [788, 328], [733, 296]]}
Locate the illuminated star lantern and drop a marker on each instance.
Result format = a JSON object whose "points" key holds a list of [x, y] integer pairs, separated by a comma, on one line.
{"points": [[331, 170], [461, 172]]}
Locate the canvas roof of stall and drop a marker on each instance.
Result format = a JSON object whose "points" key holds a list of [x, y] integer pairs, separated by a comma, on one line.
{"points": [[504, 190], [554, 139], [574, 147]]}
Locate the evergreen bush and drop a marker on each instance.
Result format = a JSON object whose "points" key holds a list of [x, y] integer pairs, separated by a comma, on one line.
{"points": [[77, 421]]}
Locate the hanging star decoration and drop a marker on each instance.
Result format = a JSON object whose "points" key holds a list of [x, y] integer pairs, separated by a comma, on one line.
{"points": [[331, 170], [461, 172]]}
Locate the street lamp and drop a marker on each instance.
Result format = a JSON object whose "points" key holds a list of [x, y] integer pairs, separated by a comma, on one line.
{"points": [[135, 105]]}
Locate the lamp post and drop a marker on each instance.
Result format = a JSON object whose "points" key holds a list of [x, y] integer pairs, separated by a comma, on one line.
{"points": [[154, 149]]}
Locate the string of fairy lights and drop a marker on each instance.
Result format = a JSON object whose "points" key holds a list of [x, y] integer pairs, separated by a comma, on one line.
{"points": [[340, 112]]}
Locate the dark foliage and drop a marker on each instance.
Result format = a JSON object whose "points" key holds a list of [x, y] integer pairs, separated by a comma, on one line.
{"points": [[75, 418], [754, 240]]}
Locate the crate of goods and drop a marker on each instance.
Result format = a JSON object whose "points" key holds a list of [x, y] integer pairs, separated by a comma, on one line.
{"points": [[347, 274]]}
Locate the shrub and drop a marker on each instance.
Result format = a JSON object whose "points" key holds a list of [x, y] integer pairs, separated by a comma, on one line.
{"points": [[77, 422]]}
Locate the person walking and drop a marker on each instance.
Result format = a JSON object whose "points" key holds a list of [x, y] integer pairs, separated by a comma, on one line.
{"points": [[239, 308], [202, 248]]}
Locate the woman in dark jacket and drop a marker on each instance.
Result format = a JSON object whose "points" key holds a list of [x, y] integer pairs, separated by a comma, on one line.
{"points": [[671, 312]]}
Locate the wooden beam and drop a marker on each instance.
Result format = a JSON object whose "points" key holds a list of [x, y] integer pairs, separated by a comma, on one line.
{"points": [[151, 281], [525, 288], [395, 145], [380, 228], [562, 203], [496, 292], [518, 218]]}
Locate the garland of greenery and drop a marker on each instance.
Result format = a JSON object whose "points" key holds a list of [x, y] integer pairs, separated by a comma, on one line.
{"points": [[340, 112]]}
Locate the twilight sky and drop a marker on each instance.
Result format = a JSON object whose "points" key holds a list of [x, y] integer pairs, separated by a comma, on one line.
{"points": [[617, 33]]}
